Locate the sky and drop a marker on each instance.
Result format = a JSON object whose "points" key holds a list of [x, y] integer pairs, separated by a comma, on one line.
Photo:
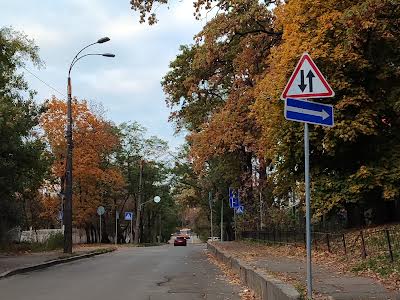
{"points": [[128, 86]]}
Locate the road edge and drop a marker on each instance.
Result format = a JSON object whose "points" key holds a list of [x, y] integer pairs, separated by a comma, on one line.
{"points": [[263, 285], [53, 262]]}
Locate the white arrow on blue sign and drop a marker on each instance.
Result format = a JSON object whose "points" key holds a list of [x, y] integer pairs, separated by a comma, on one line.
{"points": [[128, 216], [309, 112]]}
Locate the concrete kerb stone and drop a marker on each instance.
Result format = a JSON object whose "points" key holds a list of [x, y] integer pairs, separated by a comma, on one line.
{"points": [[263, 285], [53, 263]]}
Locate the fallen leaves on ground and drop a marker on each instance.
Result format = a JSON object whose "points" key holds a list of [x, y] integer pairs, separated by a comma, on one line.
{"points": [[251, 252], [232, 278]]}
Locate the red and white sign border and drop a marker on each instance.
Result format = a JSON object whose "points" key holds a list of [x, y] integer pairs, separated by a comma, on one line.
{"points": [[306, 56]]}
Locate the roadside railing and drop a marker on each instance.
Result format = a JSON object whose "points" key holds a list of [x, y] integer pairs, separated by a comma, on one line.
{"points": [[383, 243]]}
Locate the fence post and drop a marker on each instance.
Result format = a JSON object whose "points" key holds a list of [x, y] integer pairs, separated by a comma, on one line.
{"points": [[363, 250], [389, 245], [344, 244], [327, 242]]}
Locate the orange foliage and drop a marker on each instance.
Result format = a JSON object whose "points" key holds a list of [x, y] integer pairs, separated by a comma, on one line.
{"points": [[94, 142]]}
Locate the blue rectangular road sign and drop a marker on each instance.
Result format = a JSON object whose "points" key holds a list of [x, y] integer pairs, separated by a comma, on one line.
{"points": [[239, 210], [128, 216], [309, 112], [234, 200]]}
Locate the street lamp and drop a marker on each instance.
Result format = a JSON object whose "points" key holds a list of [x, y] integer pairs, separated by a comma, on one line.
{"points": [[156, 199], [68, 172]]}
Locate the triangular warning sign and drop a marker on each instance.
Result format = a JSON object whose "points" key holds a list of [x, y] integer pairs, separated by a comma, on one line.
{"points": [[307, 81]]}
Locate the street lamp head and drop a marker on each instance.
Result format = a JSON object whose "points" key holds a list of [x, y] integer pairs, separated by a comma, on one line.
{"points": [[103, 40], [108, 55], [157, 199]]}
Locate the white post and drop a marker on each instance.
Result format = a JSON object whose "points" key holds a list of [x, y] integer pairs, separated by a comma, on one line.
{"points": [[132, 230], [261, 213], [234, 217], [116, 227], [210, 203], [308, 215], [222, 219], [100, 230]]}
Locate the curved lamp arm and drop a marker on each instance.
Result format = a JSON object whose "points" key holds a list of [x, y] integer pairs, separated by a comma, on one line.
{"points": [[89, 54], [99, 41]]}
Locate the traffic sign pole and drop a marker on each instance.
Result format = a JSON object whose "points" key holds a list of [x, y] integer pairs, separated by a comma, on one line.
{"points": [[308, 214], [131, 231], [116, 227], [100, 230]]}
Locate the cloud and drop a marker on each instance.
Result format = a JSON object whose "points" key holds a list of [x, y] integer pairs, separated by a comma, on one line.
{"points": [[124, 27], [45, 36], [117, 81]]}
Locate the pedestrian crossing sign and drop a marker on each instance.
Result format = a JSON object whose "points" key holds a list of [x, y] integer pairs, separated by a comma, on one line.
{"points": [[128, 216]]}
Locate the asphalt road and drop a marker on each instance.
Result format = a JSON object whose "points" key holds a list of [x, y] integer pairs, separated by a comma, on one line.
{"points": [[160, 273]]}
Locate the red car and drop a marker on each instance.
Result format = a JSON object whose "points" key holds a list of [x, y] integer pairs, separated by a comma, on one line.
{"points": [[180, 241]]}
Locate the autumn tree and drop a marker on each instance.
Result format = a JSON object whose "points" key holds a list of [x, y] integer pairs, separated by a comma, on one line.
{"points": [[225, 91], [211, 89], [97, 180], [356, 46]]}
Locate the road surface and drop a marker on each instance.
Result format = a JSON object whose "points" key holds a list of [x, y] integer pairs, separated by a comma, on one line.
{"points": [[155, 273]]}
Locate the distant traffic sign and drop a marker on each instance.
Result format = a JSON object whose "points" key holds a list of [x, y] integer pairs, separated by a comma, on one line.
{"points": [[128, 216], [101, 210], [234, 200], [239, 210], [60, 215], [307, 81], [309, 112]]}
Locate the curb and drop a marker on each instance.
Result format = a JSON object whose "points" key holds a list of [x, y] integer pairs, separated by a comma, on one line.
{"points": [[54, 262], [263, 285]]}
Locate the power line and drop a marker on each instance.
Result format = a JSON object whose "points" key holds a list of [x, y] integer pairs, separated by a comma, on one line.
{"points": [[44, 82]]}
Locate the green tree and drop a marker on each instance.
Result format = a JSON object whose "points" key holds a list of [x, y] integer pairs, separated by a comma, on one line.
{"points": [[142, 159], [23, 160]]}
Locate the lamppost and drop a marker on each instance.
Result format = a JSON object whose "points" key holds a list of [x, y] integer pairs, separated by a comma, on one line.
{"points": [[68, 172]]}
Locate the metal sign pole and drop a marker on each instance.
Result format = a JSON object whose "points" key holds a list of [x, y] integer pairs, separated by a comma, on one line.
{"points": [[116, 227], [222, 219], [132, 231], [308, 223], [100, 230], [234, 217], [211, 217]]}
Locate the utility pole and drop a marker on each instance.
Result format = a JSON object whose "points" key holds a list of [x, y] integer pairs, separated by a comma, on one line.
{"points": [[137, 225], [211, 212], [67, 215], [222, 219]]}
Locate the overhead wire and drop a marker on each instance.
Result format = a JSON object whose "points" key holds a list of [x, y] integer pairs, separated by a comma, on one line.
{"points": [[44, 82]]}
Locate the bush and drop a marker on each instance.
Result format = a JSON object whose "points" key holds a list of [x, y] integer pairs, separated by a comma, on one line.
{"points": [[55, 241]]}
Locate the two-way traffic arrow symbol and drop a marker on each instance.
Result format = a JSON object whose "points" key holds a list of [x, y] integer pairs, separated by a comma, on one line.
{"points": [[302, 85]]}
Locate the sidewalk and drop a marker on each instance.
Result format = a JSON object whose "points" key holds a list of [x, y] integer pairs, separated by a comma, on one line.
{"points": [[328, 283], [15, 261]]}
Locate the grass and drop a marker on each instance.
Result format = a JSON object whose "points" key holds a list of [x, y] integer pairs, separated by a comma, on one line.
{"points": [[380, 264], [54, 242]]}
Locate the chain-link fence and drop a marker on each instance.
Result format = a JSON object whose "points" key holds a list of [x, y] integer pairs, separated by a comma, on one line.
{"points": [[359, 244]]}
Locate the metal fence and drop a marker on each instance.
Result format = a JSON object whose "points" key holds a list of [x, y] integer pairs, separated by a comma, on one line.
{"points": [[383, 243]]}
